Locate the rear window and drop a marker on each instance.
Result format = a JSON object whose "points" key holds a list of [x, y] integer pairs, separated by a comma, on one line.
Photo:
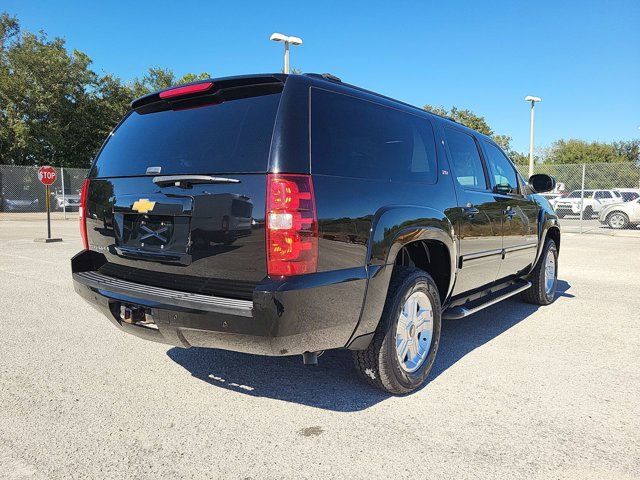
{"points": [[351, 137], [230, 137]]}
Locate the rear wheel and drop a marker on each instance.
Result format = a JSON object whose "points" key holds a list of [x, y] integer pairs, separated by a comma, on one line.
{"points": [[404, 347], [544, 277], [617, 220]]}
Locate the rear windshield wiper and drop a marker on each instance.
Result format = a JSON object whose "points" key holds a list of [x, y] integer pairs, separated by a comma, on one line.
{"points": [[186, 181]]}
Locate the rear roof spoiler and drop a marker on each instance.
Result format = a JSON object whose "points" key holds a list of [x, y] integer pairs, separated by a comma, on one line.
{"points": [[217, 85]]}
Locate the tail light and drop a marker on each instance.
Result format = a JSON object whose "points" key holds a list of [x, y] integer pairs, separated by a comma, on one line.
{"points": [[292, 225], [82, 214]]}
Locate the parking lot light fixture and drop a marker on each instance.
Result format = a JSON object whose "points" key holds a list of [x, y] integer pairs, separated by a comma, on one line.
{"points": [[288, 40], [533, 100]]}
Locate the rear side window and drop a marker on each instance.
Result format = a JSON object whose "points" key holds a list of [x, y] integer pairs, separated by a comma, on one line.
{"points": [[230, 137], [465, 158], [351, 137], [603, 194]]}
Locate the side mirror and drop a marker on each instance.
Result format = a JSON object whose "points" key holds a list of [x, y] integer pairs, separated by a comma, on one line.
{"points": [[541, 183]]}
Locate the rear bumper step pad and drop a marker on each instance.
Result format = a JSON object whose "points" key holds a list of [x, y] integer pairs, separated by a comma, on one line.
{"points": [[162, 295]]}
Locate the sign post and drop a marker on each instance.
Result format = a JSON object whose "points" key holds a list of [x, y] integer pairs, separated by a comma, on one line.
{"points": [[47, 176]]}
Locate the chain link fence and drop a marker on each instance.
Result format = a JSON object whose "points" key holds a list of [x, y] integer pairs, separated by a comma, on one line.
{"points": [[22, 196], [594, 197]]}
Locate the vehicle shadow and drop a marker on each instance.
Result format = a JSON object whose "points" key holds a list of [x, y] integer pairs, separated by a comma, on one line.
{"points": [[333, 384]]}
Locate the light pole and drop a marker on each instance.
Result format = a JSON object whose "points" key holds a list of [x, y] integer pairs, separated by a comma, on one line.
{"points": [[533, 101], [279, 37]]}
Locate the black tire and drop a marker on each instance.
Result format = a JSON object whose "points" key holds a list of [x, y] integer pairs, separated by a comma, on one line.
{"points": [[588, 213], [379, 364], [538, 294], [617, 226]]}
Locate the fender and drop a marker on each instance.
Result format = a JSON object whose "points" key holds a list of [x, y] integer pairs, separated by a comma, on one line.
{"points": [[394, 227], [547, 219]]}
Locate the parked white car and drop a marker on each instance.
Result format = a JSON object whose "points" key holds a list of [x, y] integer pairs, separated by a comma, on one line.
{"points": [[69, 201], [594, 202], [621, 215]]}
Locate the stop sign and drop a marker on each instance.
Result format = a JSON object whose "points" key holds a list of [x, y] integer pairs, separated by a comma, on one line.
{"points": [[47, 175]]}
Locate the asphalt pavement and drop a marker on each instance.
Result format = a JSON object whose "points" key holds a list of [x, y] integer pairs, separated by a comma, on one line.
{"points": [[517, 391]]}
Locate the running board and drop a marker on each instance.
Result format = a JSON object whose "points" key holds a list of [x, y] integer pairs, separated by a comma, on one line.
{"points": [[458, 312]]}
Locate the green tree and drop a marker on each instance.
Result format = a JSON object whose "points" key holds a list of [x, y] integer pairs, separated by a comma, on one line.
{"points": [[45, 94], [464, 116], [158, 78], [580, 151], [479, 124], [521, 158], [629, 149], [54, 109]]}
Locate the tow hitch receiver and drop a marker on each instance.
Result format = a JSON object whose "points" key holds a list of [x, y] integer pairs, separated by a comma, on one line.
{"points": [[137, 316]]}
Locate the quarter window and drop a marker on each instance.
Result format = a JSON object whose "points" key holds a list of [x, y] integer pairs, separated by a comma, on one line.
{"points": [[351, 137], [466, 160]]}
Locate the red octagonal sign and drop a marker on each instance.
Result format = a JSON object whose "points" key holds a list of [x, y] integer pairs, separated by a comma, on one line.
{"points": [[47, 175]]}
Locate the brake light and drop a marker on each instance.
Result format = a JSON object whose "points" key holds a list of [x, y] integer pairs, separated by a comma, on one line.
{"points": [[186, 90], [292, 225], [82, 214]]}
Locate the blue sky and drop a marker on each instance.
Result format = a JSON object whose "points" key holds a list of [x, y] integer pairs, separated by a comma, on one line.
{"points": [[581, 57]]}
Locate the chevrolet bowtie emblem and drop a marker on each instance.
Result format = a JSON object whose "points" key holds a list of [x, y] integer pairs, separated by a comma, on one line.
{"points": [[143, 205]]}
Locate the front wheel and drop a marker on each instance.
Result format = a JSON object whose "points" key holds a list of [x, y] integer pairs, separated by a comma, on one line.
{"points": [[544, 277], [404, 347]]}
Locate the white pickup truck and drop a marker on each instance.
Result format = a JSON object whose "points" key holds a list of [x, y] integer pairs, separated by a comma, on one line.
{"points": [[594, 201]]}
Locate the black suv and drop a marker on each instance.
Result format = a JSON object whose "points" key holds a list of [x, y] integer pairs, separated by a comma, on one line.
{"points": [[291, 214]]}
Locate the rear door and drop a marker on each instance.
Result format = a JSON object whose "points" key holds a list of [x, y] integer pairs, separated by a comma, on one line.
{"points": [[519, 213], [176, 196], [480, 213]]}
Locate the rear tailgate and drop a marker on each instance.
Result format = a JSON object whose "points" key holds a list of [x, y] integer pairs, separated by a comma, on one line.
{"points": [[176, 197]]}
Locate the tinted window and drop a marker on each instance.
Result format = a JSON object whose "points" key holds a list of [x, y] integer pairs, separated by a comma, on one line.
{"points": [[577, 194], [603, 195], [502, 172], [465, 158], [628, 196], [357, 138], [234, 136]]}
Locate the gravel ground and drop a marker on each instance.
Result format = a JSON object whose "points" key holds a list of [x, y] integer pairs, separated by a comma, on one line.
{"points": [[516, 392]]}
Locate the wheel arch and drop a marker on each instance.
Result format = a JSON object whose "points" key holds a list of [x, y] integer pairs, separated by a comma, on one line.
{"points": [[394, 230], [549, 228]]}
